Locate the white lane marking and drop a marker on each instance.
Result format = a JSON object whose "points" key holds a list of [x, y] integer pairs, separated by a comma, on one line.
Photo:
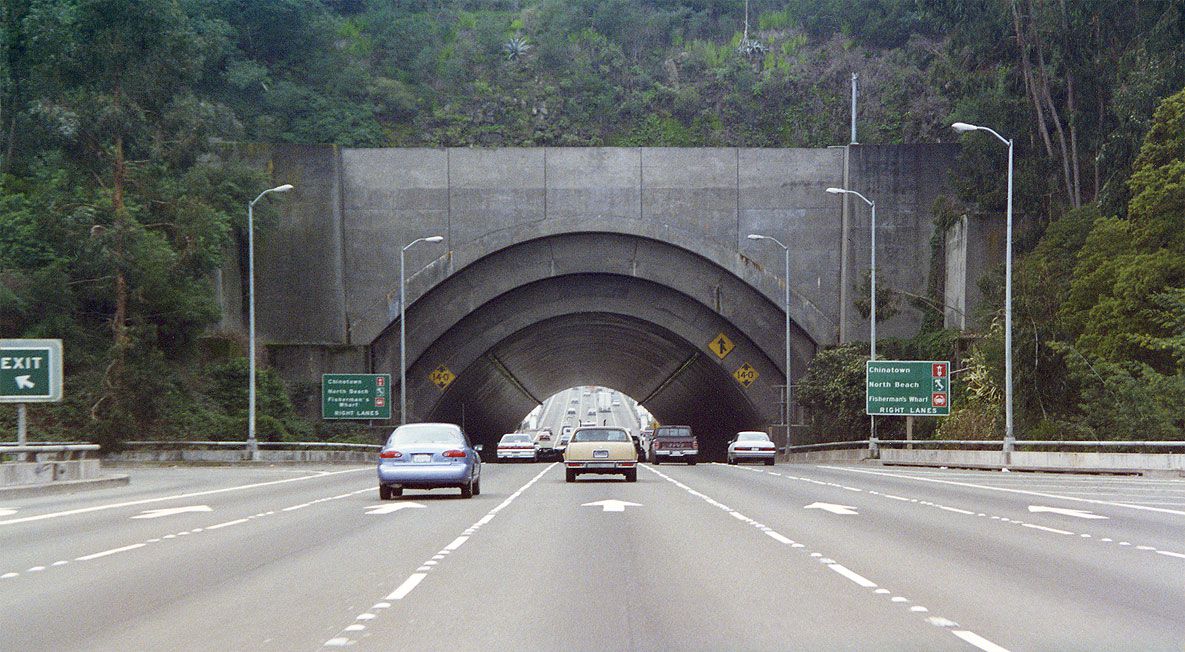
{"points": [[366, 616], [955, 509], [388, 509], [8, 575], [1045, 529], [110, 552], [978, 641], [777, 537], [5, 511], [59, 563], [99, 508], [1078, 513], [408, 586], [170, 511], [858, 579], [611, 505], [851, 575], [1170, 554], [227, 524], [414, 580], [1004, 489], [35, 569], [354, 628], [834, 509]]}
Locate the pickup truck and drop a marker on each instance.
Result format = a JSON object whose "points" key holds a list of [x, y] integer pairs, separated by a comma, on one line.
{"points": [[673, 444]]}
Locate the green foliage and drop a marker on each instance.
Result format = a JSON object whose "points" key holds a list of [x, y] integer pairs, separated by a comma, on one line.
{"points": [[832, 393]]}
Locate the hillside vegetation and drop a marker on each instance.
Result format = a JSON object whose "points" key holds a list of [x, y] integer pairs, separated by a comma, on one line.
{"points": [[115, 210]]}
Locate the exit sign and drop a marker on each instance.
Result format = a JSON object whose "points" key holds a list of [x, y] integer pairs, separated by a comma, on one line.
{"points": [[907, 388], [356, 396], [30, 371]]}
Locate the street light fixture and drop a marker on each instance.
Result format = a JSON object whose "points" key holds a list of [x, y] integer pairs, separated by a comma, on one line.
{"points": [[403, 327], [872, 314], [252, 443], [1009, 437], [786, 307]]}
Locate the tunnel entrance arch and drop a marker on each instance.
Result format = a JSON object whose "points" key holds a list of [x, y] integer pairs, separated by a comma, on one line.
{"points": [[514, 327]]}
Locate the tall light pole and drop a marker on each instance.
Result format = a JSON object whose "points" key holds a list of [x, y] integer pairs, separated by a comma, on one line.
{"points": [[786, 307], [252, 443], [1009, 437], [403, 327], [872, 313]]}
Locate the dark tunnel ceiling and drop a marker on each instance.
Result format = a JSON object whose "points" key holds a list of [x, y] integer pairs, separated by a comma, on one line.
{"points": [[676, 381]]}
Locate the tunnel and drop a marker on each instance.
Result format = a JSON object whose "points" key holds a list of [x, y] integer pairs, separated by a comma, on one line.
{"points": [[497, 337]]}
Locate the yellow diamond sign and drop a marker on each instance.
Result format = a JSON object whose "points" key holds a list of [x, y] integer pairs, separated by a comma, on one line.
{"points": [[745, 374], [721, 346], [441, 377]]}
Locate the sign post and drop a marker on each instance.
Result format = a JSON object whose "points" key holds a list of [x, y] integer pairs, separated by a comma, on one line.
{"points": [[30, 372], [356, 396], [907, 388]]}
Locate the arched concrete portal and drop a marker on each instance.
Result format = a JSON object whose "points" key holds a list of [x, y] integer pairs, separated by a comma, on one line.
{"points": [[634, 313]]}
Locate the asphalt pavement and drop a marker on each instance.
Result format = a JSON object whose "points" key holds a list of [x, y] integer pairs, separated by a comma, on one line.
{"points": [[711, 557]]}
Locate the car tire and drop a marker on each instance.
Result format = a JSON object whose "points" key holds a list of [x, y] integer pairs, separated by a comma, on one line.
{"points": [[385, 492], [570, 475], [656, 462], [467, 489], [631, 475], [732, 461], [691, 461], [477, 487], [769, 462]]}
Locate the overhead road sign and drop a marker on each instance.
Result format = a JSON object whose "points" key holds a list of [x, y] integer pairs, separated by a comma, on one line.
{"points": [[907, 388], [356, 396], [30, 371]]}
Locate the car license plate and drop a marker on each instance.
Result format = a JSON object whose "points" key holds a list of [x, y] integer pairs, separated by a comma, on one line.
{"points": [[676, 453], [600, 465], [421, 458], [601, 455]]}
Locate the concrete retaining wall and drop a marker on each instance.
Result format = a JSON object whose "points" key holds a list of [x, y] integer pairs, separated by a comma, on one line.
{"points": [[817, 457], [1042, 460], [231, 456]]}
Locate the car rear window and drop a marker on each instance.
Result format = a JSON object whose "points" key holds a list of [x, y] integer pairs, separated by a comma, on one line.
{"points": [[515, 438], [426, 433], [752, 436], [673, 432], [600, 434]]}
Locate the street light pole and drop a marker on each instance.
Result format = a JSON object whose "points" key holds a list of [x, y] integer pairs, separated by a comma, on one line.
{"points": [[1009, 435], [403, 327], [252, 442], [786, 307], [872, 448]]}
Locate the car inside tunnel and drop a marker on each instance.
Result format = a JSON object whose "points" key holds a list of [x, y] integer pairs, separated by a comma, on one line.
{"points": [[678, 382]]}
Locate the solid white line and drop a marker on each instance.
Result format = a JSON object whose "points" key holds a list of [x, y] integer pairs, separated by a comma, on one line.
{"points": [[227, 524], [407, 587], [855, 577], [1005, 489], [1045, 529], [978, 641], [1170, 554], [110, 552], [97, 508]]}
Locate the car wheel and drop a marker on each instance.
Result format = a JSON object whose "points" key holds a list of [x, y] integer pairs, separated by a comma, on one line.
{"points": [[656, 462], [385, 492], [732, 461], [631, 475], [477, 487], [691, 461], [570, 476], [769, 462], [467, 490]]}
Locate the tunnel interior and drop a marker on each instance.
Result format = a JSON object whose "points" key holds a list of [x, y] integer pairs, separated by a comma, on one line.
{"points": [[668, 375]]}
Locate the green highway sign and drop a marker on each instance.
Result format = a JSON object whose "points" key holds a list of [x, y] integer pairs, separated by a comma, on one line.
{"points": [[356, 396], [30, 371], [907, 388]]}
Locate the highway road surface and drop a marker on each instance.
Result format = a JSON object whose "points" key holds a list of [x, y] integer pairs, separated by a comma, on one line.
{"points": [[711, 557]]}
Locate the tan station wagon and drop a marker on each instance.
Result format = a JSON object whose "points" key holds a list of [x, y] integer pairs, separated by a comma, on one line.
{"points": [[601, 450]]}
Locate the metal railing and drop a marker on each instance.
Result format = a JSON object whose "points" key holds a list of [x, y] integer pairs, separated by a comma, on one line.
{"points": [[275, 445], [21, 452], [995, 444]]}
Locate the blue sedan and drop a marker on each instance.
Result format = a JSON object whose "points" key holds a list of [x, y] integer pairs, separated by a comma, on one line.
{"points": [[429, 456]]}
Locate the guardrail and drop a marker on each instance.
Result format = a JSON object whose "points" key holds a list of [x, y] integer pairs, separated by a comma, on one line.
{"points": [[274, 445], [861, 443], [67, 451]]}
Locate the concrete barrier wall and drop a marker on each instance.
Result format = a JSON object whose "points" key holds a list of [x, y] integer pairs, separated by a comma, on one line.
{"points": [[1085, 461], [817, 457], [230, 456], [24, 473]]}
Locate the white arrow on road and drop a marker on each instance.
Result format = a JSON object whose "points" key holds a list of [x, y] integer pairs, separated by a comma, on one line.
{"points": [[834, 509], [387, 509], [611, 505], [1080, 513], [169, 511], [23, 382], [4, 511]]}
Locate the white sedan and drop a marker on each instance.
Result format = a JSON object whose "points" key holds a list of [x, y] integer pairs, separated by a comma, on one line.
{"points": [[752, 445], [516, 446]]}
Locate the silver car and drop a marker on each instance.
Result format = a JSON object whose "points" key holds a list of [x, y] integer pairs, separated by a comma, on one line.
{"points": [[752, 445], [429, 456]]}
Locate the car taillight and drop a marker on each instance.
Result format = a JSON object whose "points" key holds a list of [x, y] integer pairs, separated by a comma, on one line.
{"points": [[454, 453], [390, 455]]}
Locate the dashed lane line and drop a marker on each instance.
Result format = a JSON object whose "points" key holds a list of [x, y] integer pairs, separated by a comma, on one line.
{"points": [[345, 637], [845, 572]]}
